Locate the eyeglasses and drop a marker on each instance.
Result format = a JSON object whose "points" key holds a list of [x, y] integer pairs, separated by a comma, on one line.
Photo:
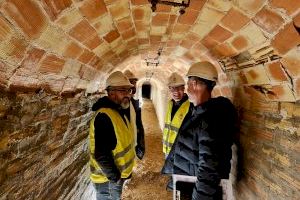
{"points": [[175, 89], [123, 91]]}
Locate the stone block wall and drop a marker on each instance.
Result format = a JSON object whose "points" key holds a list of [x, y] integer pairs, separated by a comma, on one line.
{"points": [[269, 147], [43, 145]]}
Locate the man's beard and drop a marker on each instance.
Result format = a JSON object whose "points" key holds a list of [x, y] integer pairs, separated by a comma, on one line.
{"points": [[125, 103]]}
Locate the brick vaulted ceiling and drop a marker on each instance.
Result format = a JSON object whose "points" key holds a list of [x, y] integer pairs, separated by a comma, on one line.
{"points": [[68, 45]]}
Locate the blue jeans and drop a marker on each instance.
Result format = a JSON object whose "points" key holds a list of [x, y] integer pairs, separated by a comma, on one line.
{"points": [[109, 190]]}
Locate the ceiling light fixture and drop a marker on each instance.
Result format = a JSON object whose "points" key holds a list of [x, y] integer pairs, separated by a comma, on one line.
{"points": [[154, 61], [183, 5]]}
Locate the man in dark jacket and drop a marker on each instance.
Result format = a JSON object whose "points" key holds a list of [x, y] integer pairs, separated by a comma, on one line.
{"points": [[203, 145], [137, 114], [112, 153]]}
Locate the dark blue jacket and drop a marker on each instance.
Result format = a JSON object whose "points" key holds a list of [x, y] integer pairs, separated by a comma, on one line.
{"points": [[203, 147]]}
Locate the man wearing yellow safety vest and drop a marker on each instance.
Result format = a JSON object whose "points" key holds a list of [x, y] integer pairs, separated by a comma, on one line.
{"points": [[177, 109], [112, 142], [135, 115]]}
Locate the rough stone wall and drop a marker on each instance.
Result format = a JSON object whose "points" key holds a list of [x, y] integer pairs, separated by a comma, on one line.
{"points": [[43, 145], [268, 147]]}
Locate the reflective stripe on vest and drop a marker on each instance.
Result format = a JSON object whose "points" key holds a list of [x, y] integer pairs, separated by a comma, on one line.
{"points": [[172, 126], [123, 154]]}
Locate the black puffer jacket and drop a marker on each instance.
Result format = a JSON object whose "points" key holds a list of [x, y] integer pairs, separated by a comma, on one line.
{"points": [[203, 147]]}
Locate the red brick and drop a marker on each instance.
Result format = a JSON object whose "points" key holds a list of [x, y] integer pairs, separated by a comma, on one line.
{"points": [[193, 37], [18, 48], [173, 43], [276, 71], [187, 43], [132, 44], [240, 42], [197, 5], [120, 10], [281, 93], [223, 50], [292, 65], [189, 17], [220, 34], [163, 8], [141, 26], [86, 34], [73, 50], [124, 24], [160, 19], [143, 41], [55, 7], [52, 64], [268, 20], [155, 39], [181, 28], [286, 39], [124, 54], [188, 57], [93, 42], [5, 29], [27, 15], [172, 19], [86, 56], [139, 2], [291, 6], [32, 58], [96, 62], [138, 13], [108, 55], [200, 47], [53, 84], [128, 34], [92, 9], [209, 43], [24, 84], [87, 73], [111, 36], [235, 20]]}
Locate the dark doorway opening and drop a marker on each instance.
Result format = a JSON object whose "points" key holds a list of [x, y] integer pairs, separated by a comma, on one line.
{"points": [[146, 90]]}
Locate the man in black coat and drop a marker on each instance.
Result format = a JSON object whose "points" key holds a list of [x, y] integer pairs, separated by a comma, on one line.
{"points": [[203, 145], [140, 133]]}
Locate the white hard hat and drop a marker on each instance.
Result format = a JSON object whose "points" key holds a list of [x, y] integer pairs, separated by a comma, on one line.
{"points": [[204, 70], [175, 80], [130, 75], [117, 79]]}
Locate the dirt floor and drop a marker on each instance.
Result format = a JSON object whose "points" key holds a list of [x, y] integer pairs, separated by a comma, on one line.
{"points": [[147, 182]]}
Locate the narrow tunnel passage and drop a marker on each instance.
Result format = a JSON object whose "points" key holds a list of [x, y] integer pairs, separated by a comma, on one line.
{"points": [[146, 182], [146, 90]]}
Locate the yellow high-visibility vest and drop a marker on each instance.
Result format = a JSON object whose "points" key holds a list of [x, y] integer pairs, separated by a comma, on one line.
{"points": [[172, 126], [123, 154]]}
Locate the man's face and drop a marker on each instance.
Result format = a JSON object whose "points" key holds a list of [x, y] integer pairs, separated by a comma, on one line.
{"points": [[121, 96], [177, 92], [195, 90]]}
